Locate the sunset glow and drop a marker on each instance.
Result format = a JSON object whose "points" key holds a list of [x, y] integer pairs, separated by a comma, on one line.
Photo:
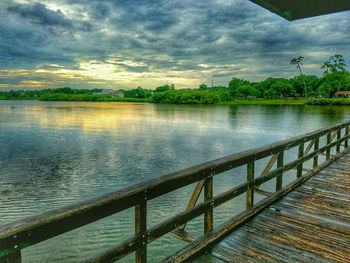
{"points": [[125, 44]]}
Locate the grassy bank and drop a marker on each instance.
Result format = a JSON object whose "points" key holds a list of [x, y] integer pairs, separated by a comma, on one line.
{"points": [[219, 96], [77, 97], [303, 101], [93, 98], [88, 97], [265, 102], [322, 102]]}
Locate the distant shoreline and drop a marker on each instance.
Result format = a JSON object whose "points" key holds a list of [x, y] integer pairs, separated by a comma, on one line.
{"points": [[238, 102], [82, 100]]}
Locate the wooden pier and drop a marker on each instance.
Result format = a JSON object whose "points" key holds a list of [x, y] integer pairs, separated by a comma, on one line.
{"points": [[310, 224], [306, 219]]}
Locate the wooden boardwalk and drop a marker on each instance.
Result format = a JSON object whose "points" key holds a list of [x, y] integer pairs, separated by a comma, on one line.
{"points": [[303, 220], [310, 224]]}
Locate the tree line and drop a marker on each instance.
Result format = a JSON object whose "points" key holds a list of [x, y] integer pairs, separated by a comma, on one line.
{"points": [[335, 78]]}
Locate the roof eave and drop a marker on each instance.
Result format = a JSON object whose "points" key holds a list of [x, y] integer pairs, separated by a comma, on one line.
{"points": [[300, 9]]}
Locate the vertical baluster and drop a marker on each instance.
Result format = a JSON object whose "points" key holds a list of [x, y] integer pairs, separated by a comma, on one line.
{"points": [[208, 195], [328, 151], [316, 146], [279, 178], [346, 143], [250, 191], [300, 155], [140, 230], [338, 138], [14, 257]]}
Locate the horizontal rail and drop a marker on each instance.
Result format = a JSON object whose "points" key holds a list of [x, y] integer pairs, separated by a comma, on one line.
{"points": [[26, 232], [170, 224], [185, 216], [202, 243]]}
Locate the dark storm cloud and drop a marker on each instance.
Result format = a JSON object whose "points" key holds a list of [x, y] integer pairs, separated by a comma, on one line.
{"points": [[32, 34], [154, 16], [221, 38], [24, 45], [40, 14]]}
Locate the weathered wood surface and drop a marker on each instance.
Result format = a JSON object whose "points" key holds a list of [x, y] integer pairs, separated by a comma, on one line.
{"points": [[310, 224]]}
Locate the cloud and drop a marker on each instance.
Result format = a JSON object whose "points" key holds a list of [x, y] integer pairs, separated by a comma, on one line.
{"points": [[40, 14], [152, 42]]}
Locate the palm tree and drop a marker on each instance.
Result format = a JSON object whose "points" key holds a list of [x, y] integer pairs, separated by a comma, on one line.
{"points": [[298, 61], [336, 63]]}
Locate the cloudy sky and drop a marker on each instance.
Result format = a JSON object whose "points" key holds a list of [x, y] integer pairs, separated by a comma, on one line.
{"points": [[130, 43]]}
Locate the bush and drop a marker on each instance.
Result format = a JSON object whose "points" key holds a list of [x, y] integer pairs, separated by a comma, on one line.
{"points": [[186, 97], [271, 94], [328, 102]]}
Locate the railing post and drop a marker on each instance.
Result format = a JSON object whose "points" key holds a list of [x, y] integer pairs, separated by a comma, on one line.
{"points": [[338, 138], [328, 151], [208, 195], [300, 155], [346, 143], [140, 230], [14, 257], [250, 191], [279, 178], [316, 146]]}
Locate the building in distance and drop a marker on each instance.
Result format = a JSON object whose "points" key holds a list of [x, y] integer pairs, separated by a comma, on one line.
{"points": [[111, 92]]}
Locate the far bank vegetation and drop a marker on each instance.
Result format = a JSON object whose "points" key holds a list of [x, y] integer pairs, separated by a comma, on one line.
{"points": [[309, 89]]}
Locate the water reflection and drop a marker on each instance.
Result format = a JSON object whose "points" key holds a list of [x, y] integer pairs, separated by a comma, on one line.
{"points": [[56, 153]]}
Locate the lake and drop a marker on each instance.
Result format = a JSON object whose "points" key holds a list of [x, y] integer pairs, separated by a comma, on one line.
{"points": [[57, 153]]}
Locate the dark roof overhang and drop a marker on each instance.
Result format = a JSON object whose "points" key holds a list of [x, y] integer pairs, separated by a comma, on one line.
{"points": [[298, 9]]}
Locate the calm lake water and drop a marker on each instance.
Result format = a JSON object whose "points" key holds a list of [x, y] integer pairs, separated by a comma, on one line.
{"points": [[57, 153]]}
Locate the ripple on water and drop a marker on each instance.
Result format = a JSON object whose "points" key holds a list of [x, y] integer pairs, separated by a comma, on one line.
{"points": [[55, 154]]}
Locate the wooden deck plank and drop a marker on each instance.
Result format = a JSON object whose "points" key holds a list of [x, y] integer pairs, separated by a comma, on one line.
{"points": [[310, 224], [259, 249], [207, 258], [334, 206], [291, 254], [315, 212], [301, 241], [336, 188], [296, 228]]}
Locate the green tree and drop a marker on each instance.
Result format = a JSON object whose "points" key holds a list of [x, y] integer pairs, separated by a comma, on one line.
{"points": [[165, 88], [283, 87], [298, 61], [247, 90], [203, 86], [271, 93], [264, 85], [234, 84], [333, 82], [312, 83], [138, 93], [335, 63]]}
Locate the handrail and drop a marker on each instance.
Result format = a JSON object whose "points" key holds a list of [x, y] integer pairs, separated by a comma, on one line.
{"points": [[23, 233]]}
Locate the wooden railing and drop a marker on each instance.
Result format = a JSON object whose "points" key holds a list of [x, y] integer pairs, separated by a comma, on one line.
{"points": [[27, 232]]}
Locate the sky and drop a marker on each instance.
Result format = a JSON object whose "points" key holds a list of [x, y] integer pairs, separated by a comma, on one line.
{"points": [[130, 43]]}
